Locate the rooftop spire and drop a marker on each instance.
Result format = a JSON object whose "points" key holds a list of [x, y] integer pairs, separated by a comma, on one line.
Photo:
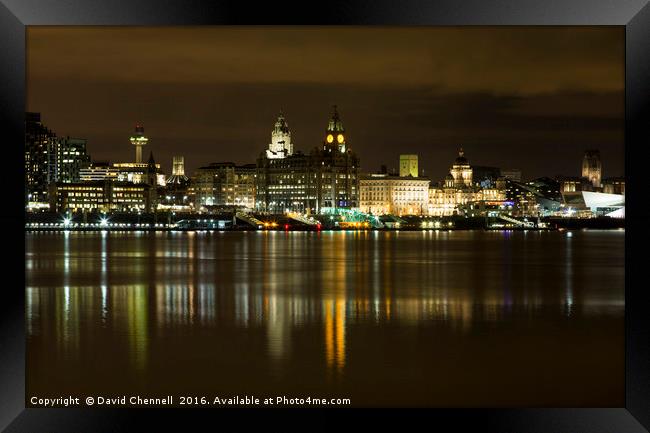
{"points": [[335, 124]]}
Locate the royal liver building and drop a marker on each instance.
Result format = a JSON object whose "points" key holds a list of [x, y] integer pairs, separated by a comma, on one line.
{"points": [[323, 180]]}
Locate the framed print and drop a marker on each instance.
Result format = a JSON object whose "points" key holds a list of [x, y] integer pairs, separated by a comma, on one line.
{"points": [[277, 214]]}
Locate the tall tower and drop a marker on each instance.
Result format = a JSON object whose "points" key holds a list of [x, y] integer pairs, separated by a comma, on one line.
{"points": [[138, 140], [408, 165], [592, 167], [335, 135], [280, 146], [178, 166]]}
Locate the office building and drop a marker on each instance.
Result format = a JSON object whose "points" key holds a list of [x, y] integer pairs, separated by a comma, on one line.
{"points": [[324, 180], [224, 184], [381, 194]]}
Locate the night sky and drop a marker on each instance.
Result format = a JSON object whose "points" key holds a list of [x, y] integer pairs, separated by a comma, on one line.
{"points": [[527, 97]]}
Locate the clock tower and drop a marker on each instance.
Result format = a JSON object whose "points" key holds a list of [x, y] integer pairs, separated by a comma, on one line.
{"points": [[335, 134]]}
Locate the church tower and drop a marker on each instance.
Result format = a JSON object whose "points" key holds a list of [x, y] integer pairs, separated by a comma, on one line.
{"points": [[335, 134], [280, 146]]}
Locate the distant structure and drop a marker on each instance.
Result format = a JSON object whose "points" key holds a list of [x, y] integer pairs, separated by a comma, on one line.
{"points": [[280, 146], [461, 171], [511, 174], [49, 159], [457, 192], [321, 181], [406, 194], [178, 171], [139, 140], [408, 165], [592, 167]]}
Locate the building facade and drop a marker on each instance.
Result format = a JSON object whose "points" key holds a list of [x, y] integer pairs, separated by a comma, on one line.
{"points": [[461, 171], [98, 171], [322, 181], [100, 196], [382, 194], [224, 184], [458, 192], [40, 156]]}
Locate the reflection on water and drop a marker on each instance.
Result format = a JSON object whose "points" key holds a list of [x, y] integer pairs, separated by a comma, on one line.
{"points": [[411, 318]]}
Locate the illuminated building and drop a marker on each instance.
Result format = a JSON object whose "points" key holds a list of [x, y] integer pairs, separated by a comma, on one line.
{"points": [[176, 194], [98, 171], [461, 171], [614, 185], [101, 196], [323, 180], [537, 197], [139, 172], [408, 165], [280, 146], [71, 157], [40, 155], [381, 194], [574, 184], [591, 167], [138, 140], [49, 159], [457, 191], [612, 205], [178, 171], [224, 184]]}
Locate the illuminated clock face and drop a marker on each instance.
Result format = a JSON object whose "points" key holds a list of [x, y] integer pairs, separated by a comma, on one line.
{"points": [[340, 138], [330, 138]]}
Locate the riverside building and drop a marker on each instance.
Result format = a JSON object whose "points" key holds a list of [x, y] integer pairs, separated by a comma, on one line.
{"points": [[324, 180]]}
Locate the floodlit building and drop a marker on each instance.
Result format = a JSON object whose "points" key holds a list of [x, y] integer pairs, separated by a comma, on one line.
{"points": [[280, 146], [614, 185], [98, 171], [461, 171], [381, 194], [323, 180], [100, 196], [599, 203], [224, 184], [458, 191], [176, 194], [592, 167], [408, 165]]}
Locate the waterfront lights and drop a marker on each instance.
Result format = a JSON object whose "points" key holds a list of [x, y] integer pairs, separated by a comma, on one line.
{"points": [[66, 221], [103, 222]]}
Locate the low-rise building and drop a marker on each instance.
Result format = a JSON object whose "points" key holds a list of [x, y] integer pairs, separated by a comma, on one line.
{"points": [[101, 196]]}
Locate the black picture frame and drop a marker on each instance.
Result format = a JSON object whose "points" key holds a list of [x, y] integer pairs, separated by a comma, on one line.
{"points": [[634, 15]]}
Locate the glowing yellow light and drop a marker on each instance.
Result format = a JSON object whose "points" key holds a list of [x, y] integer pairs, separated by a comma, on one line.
{"points": [[340, 138], [330, 138]]}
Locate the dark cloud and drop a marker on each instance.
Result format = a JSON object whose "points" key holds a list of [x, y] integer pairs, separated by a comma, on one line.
{"points": [[533, 98]]}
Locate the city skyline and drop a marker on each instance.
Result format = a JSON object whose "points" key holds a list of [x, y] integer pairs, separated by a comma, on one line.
{"points": [[553, 91]]}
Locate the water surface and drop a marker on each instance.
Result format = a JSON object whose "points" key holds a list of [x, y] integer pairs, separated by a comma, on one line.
{"points": [[436, 318]]}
